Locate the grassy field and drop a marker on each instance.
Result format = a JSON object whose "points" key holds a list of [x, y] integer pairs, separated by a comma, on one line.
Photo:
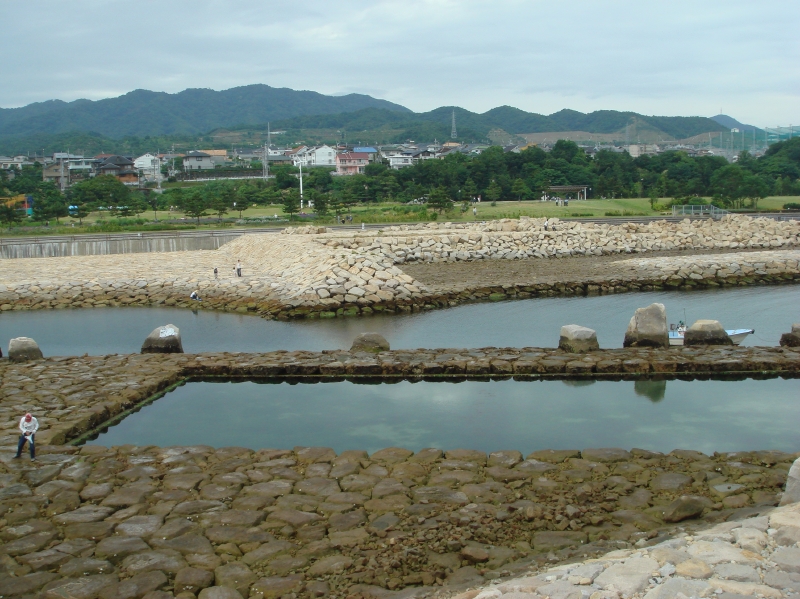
{"points": [[273, 215]]}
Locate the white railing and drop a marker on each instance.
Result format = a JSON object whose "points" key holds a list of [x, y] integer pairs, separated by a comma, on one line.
{"points": [[704, 210]]}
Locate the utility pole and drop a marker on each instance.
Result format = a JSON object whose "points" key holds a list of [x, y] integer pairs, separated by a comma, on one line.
{"points": [[265, 165], [453, 132]]}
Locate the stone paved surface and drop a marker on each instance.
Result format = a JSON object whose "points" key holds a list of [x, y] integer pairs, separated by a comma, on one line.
{"points": [[330, 274], [753, 557], [122, 522]]}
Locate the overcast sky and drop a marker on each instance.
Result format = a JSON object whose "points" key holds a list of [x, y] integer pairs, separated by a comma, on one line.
{"points": [[666, 58]]}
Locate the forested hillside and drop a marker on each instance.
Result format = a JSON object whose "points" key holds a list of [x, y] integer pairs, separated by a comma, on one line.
{"points": [[144, 120], [192, 111]]}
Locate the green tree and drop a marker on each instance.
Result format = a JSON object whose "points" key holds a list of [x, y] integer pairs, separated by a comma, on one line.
{"points": [[9, 215], [320, 201], [520, 189], [48, 202], [135, 205], [219, 202], [494, 191], [193, 205], [727, 184], [78, 206], [245, 196], [439, 199], [653, 197], [754, 188], [291, 202], [470, 191]]}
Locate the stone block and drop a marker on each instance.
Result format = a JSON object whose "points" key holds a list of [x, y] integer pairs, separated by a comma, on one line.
{"points": [[648, 328], [792, 492], [163, 340], [576, 339], [370, 342], [706, 332], [23, 349]]}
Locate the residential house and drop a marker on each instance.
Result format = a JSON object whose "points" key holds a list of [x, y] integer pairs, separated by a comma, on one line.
{"points": [[56, 172], [636, 150], [198, 161], [148, 164], [369, 150], [351, 163], [299, 155], [398, 161], [218, 157], [120, 167], [7, 162], [323, 156]]}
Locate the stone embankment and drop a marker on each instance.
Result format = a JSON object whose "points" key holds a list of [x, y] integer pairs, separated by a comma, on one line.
{"points": [[74, 395], [333, 274], [122, 522]]}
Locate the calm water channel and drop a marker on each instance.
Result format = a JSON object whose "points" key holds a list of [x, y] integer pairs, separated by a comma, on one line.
{"points": [[658, 415], [526, 323]]}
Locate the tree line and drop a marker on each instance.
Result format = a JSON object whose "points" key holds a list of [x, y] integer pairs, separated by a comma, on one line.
{"points": [[492, 175]]}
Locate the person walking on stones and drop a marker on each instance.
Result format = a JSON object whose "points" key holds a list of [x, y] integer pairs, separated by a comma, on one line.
{"points": [[28, 425], [238, 268], [216, 273]]}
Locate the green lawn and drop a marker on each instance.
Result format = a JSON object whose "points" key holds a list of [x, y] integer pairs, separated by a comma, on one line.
{"points": [[387, 212]]}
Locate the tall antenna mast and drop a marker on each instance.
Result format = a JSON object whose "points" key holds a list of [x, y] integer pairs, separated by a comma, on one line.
{"points": [[265, 165], [453, 133]]}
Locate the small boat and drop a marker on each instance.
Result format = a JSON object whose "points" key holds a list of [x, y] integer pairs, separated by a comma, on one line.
{"points": [[676, 334]]}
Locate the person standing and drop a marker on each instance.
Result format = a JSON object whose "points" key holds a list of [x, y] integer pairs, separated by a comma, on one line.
{"points": [[28, 425], [238, 268], [216, 273]]}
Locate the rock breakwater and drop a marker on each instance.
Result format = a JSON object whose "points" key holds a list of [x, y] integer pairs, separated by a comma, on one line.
{"points": [[341, 274]]}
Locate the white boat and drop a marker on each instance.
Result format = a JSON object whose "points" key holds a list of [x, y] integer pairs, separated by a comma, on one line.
{"points": [[736, 335]]}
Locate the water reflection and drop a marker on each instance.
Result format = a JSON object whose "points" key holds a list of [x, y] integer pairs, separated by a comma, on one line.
{"points": [[653, 390], [488, 415]]}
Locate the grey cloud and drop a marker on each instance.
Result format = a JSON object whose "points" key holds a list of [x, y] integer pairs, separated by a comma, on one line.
{"points": [[677, 58]]}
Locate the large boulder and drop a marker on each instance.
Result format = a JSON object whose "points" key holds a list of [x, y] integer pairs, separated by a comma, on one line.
{"points": [[576, 339], [22, 349], [163, 340], [706, 332], [370, 342], [792, 339], [648, 328], [792, 492]]}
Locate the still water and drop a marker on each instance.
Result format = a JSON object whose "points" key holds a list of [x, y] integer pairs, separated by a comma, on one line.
{"points": [[525, 323], [525, 415]]}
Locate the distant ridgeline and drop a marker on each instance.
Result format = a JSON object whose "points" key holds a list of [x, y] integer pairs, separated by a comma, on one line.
{"points": [[142, 120]]}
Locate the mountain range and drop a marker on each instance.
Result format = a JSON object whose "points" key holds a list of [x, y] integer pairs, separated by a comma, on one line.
{"points": [[196, 112]]}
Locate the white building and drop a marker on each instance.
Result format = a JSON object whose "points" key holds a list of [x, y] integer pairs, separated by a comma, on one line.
{"points": [[7, 162], [323, 156], [148, 163], [398, 161]]}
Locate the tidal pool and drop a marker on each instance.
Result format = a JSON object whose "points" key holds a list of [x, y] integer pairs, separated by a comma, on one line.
{"points": [[523, 323], [706, 416]]}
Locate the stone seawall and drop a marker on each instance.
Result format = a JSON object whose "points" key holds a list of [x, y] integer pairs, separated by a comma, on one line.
{"points": [[75, 395], [154, 523], [341, 274], [250, 294]]}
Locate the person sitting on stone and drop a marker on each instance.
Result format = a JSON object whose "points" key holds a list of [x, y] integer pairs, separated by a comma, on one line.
{"points": [[28, 425], [194, 295]]}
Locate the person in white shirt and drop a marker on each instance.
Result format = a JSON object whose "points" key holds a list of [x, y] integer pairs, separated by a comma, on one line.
{"points": [[28, 425]]}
